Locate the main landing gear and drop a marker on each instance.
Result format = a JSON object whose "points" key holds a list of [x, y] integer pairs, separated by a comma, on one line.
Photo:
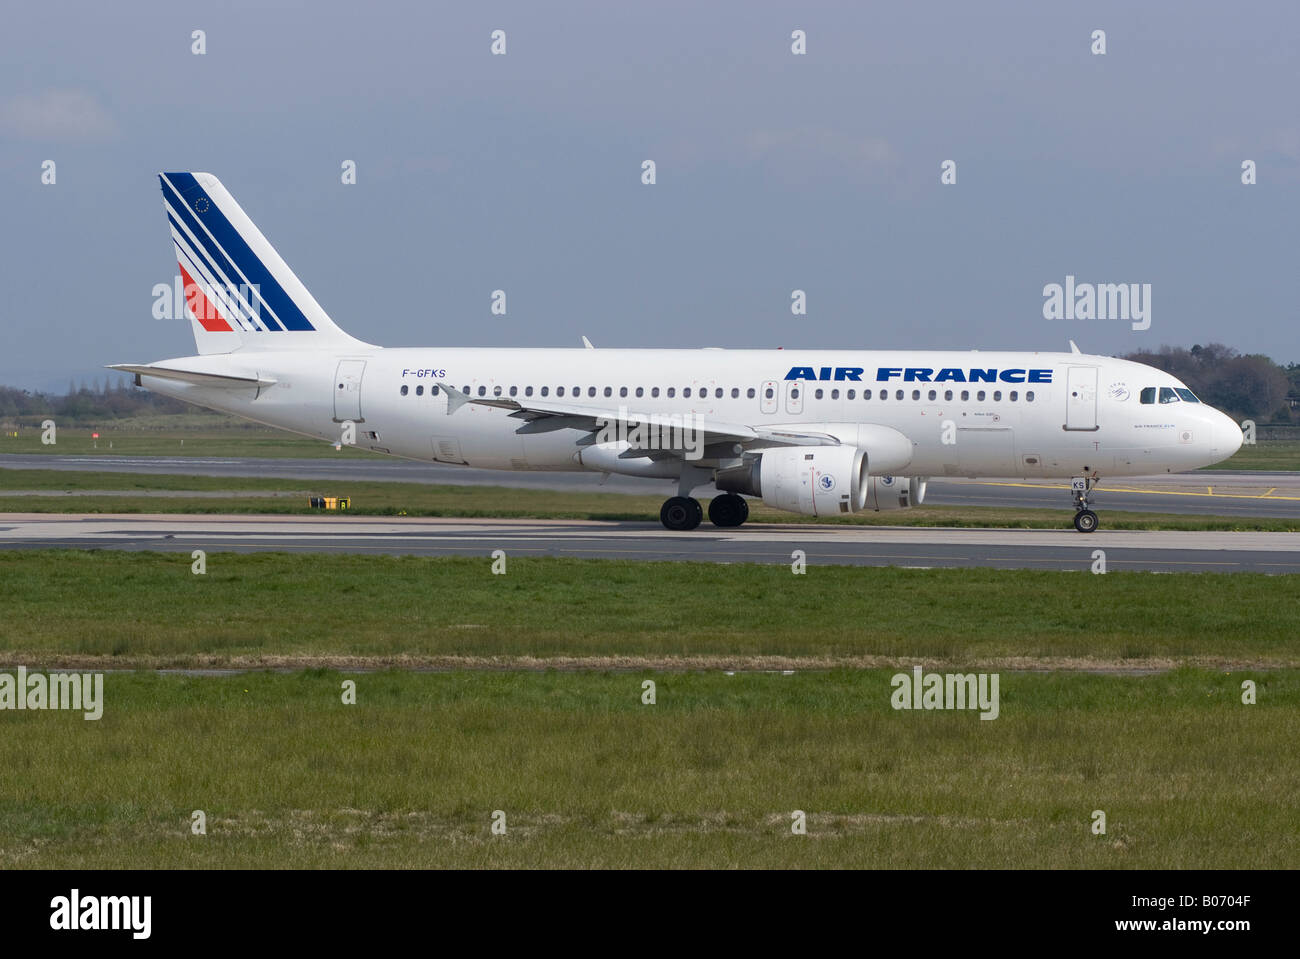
{"points": [[1085, 520], [726, 510], [681, 513]]}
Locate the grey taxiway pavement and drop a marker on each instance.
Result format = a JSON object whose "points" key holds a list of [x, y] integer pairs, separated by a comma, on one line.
{"points": [[1165, 551], [1220, 493]]}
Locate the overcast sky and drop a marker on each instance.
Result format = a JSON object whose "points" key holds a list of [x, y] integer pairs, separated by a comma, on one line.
{"points": [[775, 172]]}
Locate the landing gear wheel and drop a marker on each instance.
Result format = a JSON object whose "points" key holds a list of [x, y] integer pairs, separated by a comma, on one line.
{"points": [[1085, 520], [728, 510], [681, 513]]}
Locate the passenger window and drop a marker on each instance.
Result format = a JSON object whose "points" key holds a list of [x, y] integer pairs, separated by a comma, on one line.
{"points": [[947, 395], [546, 390], [835, 394], [528, 391], [980, 396], [405, 390], [672, 391], [514, 391], [768, 392], [609, 391], [818, 394], [997, 396], [916, 394], [851, 394], [898, 394], [686, 392], [640, 391], [1013, 396], [866, 394], [654, 391], [1148, 395], [591, 391], [735, 393], [419, 391], [794, 393], [622, 391], [1167, 395], [1029, 396], [482, 391], [965, 395], [750, 393], [559, 391], [933, 394]]}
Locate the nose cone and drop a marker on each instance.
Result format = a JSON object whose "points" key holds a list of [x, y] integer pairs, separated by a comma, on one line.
{"points": [[1225, 437]]}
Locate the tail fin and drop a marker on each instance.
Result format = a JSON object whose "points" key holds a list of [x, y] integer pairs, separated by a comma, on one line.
{"points": [[240, 294]]}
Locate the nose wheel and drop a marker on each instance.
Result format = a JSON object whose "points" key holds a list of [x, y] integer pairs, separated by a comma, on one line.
{"points": [[1085, 520]]}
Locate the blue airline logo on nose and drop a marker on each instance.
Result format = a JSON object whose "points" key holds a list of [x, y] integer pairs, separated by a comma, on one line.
{"points": [[921, 374]]}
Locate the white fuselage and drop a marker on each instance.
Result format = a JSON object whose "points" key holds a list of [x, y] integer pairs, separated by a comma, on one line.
{"points": [[1043, 414]]}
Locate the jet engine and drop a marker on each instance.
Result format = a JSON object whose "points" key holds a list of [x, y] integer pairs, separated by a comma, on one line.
{"points": [[812, 480], [895, 492]]}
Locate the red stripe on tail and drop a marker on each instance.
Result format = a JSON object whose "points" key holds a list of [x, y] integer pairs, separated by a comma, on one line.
{"points": [[201, 308]]}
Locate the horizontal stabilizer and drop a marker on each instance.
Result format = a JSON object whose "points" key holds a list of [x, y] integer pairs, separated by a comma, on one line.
{"points": [[219, 380]]}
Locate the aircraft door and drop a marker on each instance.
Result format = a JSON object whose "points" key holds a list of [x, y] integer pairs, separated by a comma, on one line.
{"points": [[767, 396], [347, 390], [1081, 398]]}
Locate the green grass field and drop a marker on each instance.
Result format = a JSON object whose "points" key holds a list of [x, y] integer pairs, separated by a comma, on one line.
{"points": [[1272, 455], [709, 776], [96, 492], [149, 609], [534, 707], [201, 437]]}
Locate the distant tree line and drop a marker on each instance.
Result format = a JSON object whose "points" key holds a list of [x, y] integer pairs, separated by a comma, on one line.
{"points": [[1243, 385], [86, 403]]}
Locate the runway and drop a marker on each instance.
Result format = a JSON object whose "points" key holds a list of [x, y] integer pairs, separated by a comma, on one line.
{"points": [[1218, 493], [1161, 551]]}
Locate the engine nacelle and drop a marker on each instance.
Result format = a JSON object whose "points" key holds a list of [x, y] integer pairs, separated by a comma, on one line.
{"points": [[895, 492], [812, 480]]}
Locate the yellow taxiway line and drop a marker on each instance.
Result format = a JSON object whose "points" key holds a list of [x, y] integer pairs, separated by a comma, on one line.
{"points": [[1154, 492]]}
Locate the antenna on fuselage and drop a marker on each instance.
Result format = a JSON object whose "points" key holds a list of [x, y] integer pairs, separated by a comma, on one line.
{"points": [[1074, 347]]}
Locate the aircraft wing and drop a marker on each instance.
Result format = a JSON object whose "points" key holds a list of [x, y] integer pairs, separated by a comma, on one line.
{"points": [[544, 417]]}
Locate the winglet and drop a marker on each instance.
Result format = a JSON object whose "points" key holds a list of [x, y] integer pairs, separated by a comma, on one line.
{"points": [[455, 398], [1074, 348]]}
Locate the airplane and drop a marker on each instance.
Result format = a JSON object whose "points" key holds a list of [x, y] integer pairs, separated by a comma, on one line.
{"points": [[809, 431]]}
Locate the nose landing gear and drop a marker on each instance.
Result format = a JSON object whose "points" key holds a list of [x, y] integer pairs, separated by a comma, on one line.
{"points": [[1085, 520]]}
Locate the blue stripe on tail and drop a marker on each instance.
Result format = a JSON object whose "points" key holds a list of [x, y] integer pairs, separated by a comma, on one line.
{"points": [[244, 258]]}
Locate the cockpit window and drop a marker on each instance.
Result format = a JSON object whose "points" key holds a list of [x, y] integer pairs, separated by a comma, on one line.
{"points": [[1186, 394], [1148, 395], [1167, 395]]}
